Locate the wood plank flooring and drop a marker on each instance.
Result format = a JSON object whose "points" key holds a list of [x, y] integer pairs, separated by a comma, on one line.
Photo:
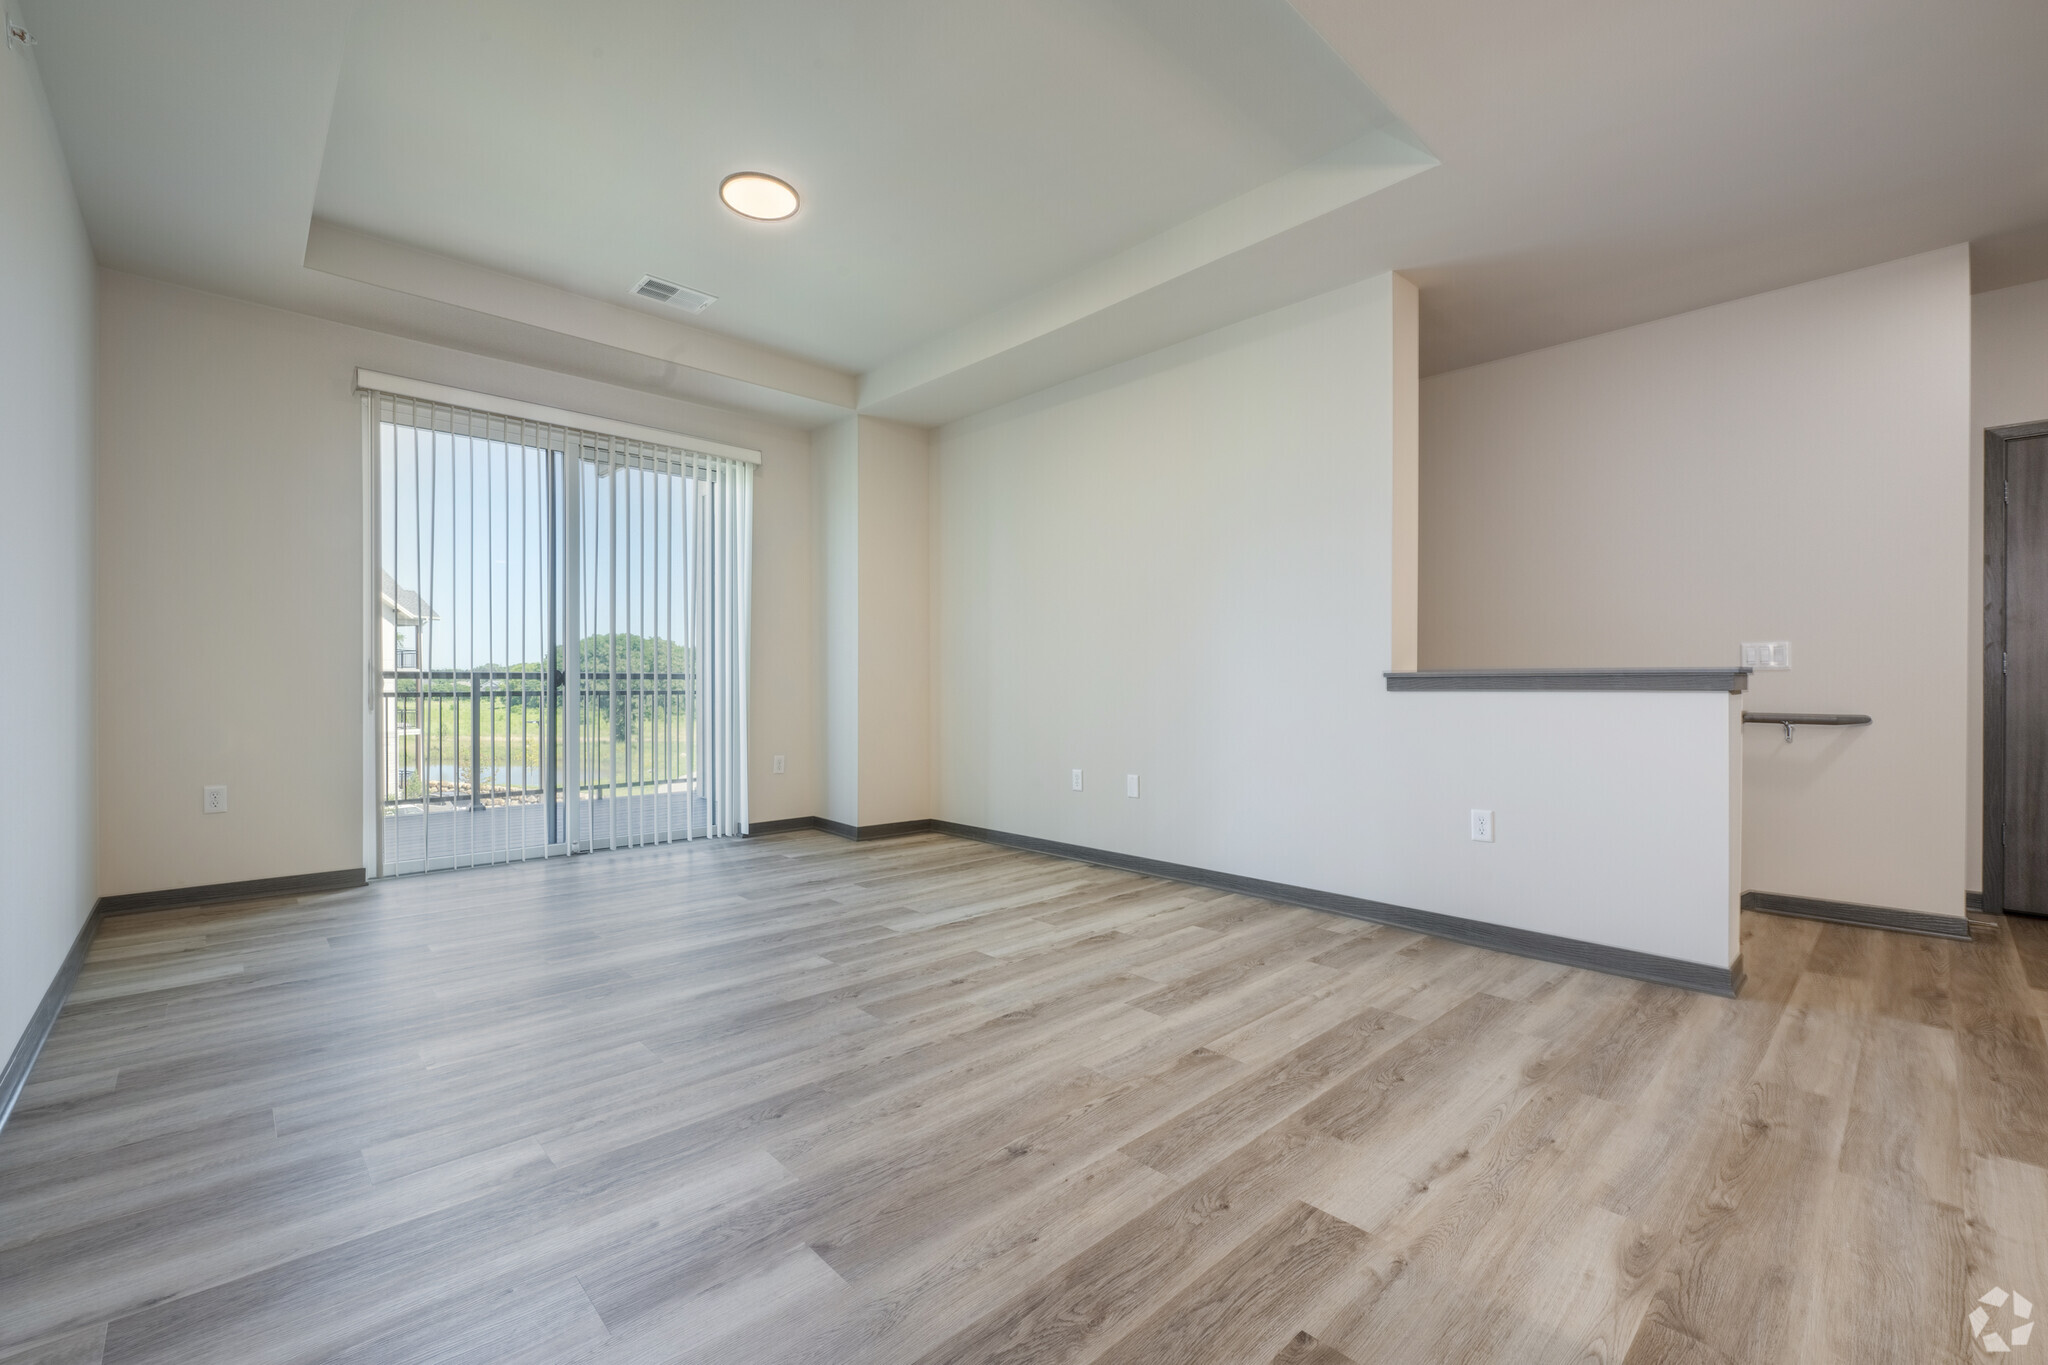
{"points": [[924, 1100]]}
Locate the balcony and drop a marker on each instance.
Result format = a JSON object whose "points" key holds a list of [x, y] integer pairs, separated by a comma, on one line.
{"points": [[473, 764]]}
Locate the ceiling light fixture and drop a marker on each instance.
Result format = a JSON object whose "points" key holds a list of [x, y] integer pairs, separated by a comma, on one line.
{"points": [[753, 194]]}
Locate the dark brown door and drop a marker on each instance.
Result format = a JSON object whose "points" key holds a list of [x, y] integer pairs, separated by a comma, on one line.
{"points": [[2025, 664]]}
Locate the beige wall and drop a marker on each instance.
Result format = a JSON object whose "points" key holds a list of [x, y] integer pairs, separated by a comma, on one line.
{"points": [[230, 559], [895, 623], [873, 514], [2008, 385], [46, 356], [1406, 420], [1793, 466], [2009, 357], [835, 454]]}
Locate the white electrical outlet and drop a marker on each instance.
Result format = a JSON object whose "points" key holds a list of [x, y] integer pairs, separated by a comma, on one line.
{"points": [[1773, 656], [216, 800], [1130, 784], [781, 764], [1077, 779], [1482, 826]]}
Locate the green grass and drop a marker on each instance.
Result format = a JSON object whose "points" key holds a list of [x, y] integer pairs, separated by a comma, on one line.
{"points": [[649, 744]]}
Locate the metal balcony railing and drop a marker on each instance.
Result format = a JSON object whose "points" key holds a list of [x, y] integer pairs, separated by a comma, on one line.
{"points": [[486, 737]]}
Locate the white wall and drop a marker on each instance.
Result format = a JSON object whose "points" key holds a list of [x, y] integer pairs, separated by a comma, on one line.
{"points": [[1179, 567], [46, 358], [2008, 385], [1793, 466], [1618, 816], [1184, 567], [230, 623]]}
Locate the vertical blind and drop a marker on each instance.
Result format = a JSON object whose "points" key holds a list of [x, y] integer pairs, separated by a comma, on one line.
{"points": [[563, 636]]}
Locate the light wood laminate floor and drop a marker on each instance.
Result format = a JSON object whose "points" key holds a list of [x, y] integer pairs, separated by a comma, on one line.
{"points": [[924, 1101]]}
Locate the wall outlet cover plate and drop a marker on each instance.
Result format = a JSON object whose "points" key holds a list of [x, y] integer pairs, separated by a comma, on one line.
{"points": [[1767, 657]]}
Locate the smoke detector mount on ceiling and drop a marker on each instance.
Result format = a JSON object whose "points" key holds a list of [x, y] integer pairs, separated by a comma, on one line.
{"points": [[673, 294]]}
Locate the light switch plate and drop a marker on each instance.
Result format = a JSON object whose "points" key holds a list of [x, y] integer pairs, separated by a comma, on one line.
{"points": [[216, 800], [1772, 656], [1077, 779], [781, 764], [1482, 826], [1130, 784]]}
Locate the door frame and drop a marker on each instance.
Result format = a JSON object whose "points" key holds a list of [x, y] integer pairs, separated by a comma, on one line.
{"points": [[1995, 483]]}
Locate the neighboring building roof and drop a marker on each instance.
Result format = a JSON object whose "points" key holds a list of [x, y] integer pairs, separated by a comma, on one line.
{"points": [[407, 608]]}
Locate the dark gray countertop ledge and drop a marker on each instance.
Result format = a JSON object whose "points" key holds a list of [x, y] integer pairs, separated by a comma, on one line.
{"points": [[1570, 680]]}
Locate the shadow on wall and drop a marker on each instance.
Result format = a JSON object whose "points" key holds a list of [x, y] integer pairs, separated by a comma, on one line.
{"points": [[1799, 766]]}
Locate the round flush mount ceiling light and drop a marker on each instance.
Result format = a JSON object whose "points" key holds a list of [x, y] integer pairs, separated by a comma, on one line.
{"points": [[752, 194]]}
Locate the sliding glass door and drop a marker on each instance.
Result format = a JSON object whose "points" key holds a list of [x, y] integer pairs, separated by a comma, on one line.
{"points": [[653, 691], [501, 542]]}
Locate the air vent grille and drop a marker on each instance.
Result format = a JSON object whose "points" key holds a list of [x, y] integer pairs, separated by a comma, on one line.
{"points": [[668, 291]]}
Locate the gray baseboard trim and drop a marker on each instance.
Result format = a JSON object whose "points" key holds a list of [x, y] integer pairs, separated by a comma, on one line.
{"points": [[894, 831], [301, 884], [1864, 916], [23, 1059], [858, 833], [759, 828], [1570, 680], [1973, 900], [1571, 952]]}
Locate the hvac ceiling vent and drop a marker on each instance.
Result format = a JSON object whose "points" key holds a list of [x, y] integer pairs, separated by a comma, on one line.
{"points": [[667, 291]]}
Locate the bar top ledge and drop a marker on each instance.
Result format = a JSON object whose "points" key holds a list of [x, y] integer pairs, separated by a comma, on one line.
{"points": [[1570, 680]]}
